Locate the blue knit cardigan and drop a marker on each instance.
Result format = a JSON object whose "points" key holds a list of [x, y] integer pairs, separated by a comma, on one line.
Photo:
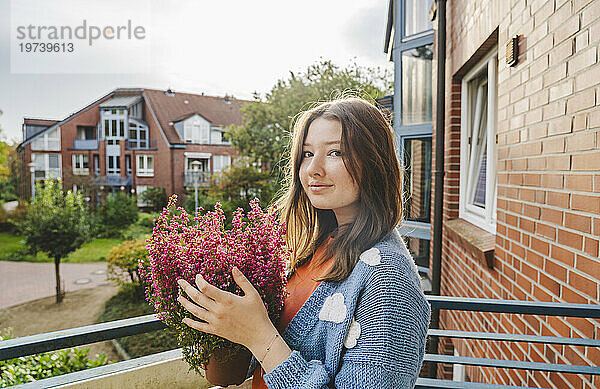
{"points": [[367, 331]]}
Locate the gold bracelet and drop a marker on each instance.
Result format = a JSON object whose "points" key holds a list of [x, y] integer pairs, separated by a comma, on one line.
{"points": [[268, 349]]}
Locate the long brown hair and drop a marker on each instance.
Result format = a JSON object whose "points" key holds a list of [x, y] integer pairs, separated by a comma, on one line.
{"points": [[370, 157]]}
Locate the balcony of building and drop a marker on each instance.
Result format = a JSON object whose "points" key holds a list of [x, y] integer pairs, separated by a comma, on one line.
{"points": [[141, 144], [49, 173], [167, 369], [113, 180], [190, 177], [85, 144]]}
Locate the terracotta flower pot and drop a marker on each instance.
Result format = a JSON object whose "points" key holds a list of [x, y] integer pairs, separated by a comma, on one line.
{"points": [[232, 371]]}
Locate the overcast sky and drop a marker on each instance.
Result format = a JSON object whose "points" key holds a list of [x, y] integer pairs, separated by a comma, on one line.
{"points": [[226, 47]]}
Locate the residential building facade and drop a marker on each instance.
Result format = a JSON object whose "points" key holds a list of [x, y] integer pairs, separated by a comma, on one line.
{"points": [[521, 198], [130, 140]]}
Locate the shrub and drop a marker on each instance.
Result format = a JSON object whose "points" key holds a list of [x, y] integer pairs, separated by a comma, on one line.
{"points": [[39, 366], [118, 212], [123, 263]]}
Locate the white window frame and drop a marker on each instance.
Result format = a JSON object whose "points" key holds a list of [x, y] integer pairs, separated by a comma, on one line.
{"points": [[49, 141], [77, 161], [482, 217], [221, 162], [196, 129], [142, 169], [42, 163], [138, 191]]}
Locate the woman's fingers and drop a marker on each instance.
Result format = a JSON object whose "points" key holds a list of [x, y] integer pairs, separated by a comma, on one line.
{"points": [[197, 296], [195, 310], [211, 291]]}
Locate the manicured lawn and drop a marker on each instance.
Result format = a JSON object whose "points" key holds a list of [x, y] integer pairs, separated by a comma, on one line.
{"points": [[12, 246]]}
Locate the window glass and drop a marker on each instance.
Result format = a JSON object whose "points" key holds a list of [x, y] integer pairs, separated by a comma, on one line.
{"points": [[114, 128], [417, 179], [106, 128], [416, 85], [478, 90], [53, 161], [419, 248], [416, 16], [122, 127]]}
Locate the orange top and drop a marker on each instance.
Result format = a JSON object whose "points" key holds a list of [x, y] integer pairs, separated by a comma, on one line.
{"points": [[300, 286]]}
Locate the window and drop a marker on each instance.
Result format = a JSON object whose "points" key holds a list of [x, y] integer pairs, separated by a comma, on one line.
{"points": [[96, 164], [49, 141], [145, 165], [128, 164], [86, 132], [477, 202], [411, 45], [81, 164], [46, 165], [114, 165], [416, 85], [196, 130], [221, 162], [141, 189], [416, 16]]}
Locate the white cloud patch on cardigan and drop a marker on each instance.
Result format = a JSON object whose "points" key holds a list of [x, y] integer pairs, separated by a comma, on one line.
{"points": [[352, 335], [333, 309], [371, 257]]}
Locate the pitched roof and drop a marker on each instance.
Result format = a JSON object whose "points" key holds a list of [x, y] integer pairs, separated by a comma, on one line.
{"points": [[169, 108], [121, 101], [40, 122]]}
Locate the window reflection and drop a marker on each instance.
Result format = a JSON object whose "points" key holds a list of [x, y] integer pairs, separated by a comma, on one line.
{"points": [[416, 16], [416, 85], [417, 179], [419, 249]]}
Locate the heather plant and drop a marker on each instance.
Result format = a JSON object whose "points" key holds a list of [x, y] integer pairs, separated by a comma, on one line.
{"points": [[182, 246]]}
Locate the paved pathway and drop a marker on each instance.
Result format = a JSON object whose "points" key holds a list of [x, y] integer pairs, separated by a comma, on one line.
{"points": [[21, 282]]}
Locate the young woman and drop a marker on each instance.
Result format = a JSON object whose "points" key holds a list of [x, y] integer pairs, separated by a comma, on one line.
{"points": [[356, 316]]}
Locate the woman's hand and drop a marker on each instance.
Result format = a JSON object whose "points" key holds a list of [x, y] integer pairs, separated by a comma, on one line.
{"points": [[240, 319]]}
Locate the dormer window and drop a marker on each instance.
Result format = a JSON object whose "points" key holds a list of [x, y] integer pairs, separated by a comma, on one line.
{"points": [[196, 129]]}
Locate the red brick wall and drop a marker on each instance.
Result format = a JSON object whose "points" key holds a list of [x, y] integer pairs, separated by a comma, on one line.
{"points": [[548, 224]]}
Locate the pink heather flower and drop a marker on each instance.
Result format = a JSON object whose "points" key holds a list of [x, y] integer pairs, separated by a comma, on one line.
{"points": [[181, 246]]}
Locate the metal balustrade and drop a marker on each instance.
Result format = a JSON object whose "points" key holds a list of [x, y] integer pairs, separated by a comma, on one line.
{"points": [[39, 343]]}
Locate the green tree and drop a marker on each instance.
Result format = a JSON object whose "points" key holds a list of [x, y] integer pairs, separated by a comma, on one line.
{"points": [[118, 212], [234, 187], [8, 171], [265, 133], [156, 197], [57, 223]]}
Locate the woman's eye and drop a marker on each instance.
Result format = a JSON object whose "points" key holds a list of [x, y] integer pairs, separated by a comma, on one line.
{"points": [[336, 153], [306, 154]]}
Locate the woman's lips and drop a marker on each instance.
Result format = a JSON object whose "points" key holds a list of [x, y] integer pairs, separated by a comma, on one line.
{"points": [[319, 188]]}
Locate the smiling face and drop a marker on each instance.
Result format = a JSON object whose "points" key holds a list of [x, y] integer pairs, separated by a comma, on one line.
{"points": [[323, 174]]}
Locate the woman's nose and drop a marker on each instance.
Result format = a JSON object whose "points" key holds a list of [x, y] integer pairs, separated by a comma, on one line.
{"points": [[316, 167]]}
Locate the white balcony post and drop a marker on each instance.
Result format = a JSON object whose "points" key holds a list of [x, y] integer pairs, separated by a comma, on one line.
{"points": [[32, 172], [195, 169]]}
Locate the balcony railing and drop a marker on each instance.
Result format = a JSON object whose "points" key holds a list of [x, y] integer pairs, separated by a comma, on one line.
{"points": [[113, 180], [48, 173], [85, 144], [138, 144], [34, 344], [190, 176]]}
